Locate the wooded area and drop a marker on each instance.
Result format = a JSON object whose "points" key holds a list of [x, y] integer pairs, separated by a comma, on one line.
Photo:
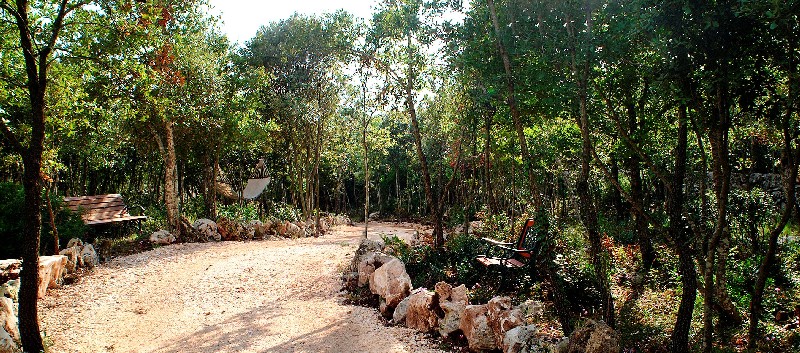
{"points": [[654, 141]]}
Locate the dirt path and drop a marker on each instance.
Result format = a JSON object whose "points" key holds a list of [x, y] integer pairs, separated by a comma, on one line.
{"points": [[259, 296]]}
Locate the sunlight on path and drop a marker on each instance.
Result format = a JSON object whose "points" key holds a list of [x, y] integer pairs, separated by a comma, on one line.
{"points": [[258, 296]]}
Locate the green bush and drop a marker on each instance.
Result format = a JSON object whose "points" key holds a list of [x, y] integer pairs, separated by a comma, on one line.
{"points": [[12, 201], [238, 212], [285, 212]]}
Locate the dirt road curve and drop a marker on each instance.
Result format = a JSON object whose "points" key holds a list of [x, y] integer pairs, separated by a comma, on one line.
{"points": [[259, 296]]}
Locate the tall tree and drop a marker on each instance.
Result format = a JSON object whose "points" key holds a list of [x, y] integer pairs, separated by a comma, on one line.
{"points": [[38, 27]]}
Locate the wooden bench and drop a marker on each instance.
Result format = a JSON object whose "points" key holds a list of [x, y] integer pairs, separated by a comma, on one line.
{"points": [[512, 255], [101, 209]]}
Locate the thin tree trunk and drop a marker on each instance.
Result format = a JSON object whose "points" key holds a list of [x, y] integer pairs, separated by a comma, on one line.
{"points": [[588, 211], [637, 193], [487, 153], [423, 160], [52, 220], [679, 340], [366, 180], [721, 169], [209, 185], [789, 163], [512, 104], [170, 179], [730, 316], [317, 144]]}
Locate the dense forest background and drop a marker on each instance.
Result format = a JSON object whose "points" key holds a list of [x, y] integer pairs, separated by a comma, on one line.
{"points": [[654, 141]]}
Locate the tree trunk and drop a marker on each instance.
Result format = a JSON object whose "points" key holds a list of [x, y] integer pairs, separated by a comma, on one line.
{"points": [[789, 164], [729, 314], [171, 179], [487, 163], [52, 219], [366, 180], [589, 215], [317, 144], [512, 104], [721, 169], [438, 234], [29, 276], [679, 341], [209, 185], [637, 193], [588, 211]]}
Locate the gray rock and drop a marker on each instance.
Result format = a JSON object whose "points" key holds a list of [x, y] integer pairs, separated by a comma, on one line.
{"points": [[366, 246], [401, 311], [451, 321], [162, 237], [74, 259], [89, 256], [10, 290], [368, 264], [594, 337], [7, 343], [522, 339], [208, 229], [75, 242]]}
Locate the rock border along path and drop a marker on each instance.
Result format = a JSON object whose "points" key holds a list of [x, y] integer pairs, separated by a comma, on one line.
{"points": [[256, 296]]}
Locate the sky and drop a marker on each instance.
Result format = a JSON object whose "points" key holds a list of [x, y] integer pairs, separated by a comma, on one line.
{"points": [[242, 18]]}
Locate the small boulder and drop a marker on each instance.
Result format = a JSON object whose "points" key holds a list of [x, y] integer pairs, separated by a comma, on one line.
{"points": [[401, 311], [391, 282], [522, 339], [8, 321], [74, 242], [162, 237], [74, 259], [294, 231], [208, 229], [89, 256], [7, 343], [532, 309], [10, 290], [368, 264], [257, 229], [452, 317], [476, 328], [460, 295], [421, 315], [9, 269], [51, 272], [594, 337], [443, 290], [501, 317], [366, 246]]}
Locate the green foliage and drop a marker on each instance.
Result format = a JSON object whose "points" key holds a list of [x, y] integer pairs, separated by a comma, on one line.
{"points": [[239, 212], [12, 203], [285, 212]]}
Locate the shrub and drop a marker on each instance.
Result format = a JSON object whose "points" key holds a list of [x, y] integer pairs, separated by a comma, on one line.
{"points": [[12, 201], [236, 212]]}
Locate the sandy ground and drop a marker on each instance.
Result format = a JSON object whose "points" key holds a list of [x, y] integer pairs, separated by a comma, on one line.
{"points": [[258, 296]]}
